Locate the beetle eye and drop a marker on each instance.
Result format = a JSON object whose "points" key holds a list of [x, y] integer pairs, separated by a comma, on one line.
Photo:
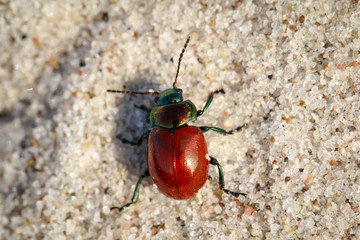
{"points": [[156, 99]]}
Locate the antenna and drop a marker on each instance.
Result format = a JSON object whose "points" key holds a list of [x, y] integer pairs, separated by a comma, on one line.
{"points": [[181, 55], [131, 92]]}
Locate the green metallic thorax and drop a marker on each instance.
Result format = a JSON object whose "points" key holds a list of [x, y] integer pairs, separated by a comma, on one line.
{"points": [[173, 115]]}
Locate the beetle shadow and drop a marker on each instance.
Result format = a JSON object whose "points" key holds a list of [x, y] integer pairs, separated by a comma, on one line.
{"points": [[131, 122]]}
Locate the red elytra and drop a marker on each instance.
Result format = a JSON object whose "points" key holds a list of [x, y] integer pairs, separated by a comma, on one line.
{"points": [[177, 160]]}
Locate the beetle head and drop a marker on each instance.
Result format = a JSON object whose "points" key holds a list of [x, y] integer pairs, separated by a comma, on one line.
{"points": [[168, 96]]}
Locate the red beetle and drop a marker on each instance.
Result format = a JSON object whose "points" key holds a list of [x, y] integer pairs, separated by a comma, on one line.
{"points": [[177, 153]]}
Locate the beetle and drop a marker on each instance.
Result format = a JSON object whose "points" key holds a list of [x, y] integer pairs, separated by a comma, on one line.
{"points": [[177, 156]]}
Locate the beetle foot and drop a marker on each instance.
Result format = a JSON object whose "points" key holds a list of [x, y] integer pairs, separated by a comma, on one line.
{"points": [[235, 194], [219, 91], [125, 141], [238, 129], [121, 208]]}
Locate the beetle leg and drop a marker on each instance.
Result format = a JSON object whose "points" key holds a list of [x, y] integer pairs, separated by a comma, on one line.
{"points": [[138, 141], [209, 100], [222, 131], [213, 161], [143, 107], [136, 193], [207, 104]]}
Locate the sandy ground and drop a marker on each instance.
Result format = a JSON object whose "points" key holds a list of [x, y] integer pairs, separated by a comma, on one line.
{"points": [[291, 70]]}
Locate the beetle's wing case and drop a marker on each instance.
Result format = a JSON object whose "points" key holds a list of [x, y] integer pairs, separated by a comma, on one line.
{"points": [[177, 161]]}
